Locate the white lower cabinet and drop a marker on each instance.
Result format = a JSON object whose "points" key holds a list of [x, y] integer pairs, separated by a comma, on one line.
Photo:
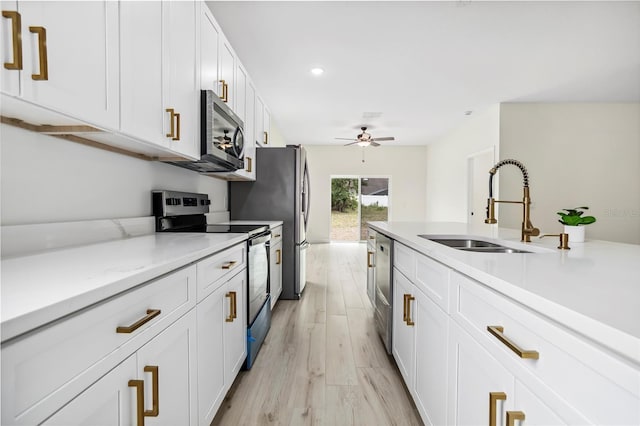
{"points": [[526, 371], [156, 386], [108, 402], [275, 266], [221, 343]]}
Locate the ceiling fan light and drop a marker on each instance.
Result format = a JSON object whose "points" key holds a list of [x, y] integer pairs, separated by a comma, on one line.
{"points": [[317, 71], [364, 143]]}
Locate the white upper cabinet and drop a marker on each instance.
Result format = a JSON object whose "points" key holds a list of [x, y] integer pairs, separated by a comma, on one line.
{"points": [[227, 68], [209, 42], [63, 56], [160, 94]]}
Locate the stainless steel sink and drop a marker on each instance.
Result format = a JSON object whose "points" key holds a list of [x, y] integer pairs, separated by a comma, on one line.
{"points": [[479, 246]]}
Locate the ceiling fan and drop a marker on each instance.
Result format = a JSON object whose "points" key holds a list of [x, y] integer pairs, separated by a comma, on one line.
{"points": [[365, 139]]}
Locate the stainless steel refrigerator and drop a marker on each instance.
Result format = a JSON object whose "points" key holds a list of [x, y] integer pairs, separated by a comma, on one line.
{"points": [[280, 192]]}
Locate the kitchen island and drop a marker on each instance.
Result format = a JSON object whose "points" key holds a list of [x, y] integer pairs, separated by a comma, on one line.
{"points": [[578, 309]]}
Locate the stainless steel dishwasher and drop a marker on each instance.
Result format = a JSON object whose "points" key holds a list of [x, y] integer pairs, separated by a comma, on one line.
{"points": [[384, 290]]}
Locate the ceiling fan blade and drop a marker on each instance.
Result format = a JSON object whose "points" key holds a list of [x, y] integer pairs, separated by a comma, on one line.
{"points": [[390, 138], [374, 143], [352, 143], [344, 139]]}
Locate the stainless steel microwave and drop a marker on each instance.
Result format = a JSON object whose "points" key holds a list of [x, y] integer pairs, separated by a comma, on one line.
{"points": [[221, 137]]}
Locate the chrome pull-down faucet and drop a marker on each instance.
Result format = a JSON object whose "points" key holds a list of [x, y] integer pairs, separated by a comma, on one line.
{"points": [[528, 230]]}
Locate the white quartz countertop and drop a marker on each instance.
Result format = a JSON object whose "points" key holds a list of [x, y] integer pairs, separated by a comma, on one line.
{"points": [[42, 287], [592, 289]]}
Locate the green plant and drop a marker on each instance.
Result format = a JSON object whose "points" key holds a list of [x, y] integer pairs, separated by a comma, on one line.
{"points": [[573, 217], [344, 193]]}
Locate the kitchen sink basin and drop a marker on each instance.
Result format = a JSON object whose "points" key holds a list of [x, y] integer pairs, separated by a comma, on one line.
{"points": [[479, 246]]}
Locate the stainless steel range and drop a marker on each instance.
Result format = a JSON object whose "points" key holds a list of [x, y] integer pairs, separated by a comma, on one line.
{"points": [[185, 212]]}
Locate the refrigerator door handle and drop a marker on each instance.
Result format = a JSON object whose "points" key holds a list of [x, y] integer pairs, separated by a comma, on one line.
{"points": [[305, 245], [306, 194]]}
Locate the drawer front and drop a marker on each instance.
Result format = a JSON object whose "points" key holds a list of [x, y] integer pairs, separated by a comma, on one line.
{"points": [[221, 265], [371, 238], [404, 259], [45, 369], [276, 235], [602, 388], [433, 279]]}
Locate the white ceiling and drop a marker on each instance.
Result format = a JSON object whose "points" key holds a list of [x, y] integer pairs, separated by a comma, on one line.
{"points": [[421, 65]]}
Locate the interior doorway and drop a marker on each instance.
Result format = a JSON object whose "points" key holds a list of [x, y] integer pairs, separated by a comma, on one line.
{"points": [[356, 201]]}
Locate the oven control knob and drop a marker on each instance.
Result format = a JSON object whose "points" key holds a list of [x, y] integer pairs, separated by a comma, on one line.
{"points": [[173, 201], [205, 202]]}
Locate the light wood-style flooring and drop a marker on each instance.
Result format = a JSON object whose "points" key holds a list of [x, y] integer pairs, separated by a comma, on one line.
{"points": [[322, 362]]}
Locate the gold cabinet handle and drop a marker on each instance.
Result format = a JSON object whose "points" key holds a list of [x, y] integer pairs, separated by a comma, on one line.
{"points": [[229, 265], [512, 416], [225, 91], [409, 299], [249, 164], [155, 409], [42, 53], [151, 314], [404, 308], [266, 138], [172, 130], [276, 236], [177, 138], [278, 256], [139, 385], [498, 331], [493, 408], [16, 31], [372, 237], [369, 259], [233, 313]]}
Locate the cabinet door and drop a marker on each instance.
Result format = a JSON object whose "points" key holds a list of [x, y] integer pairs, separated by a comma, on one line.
{"points": [[403, 330], [259, 122], [9, 38], [78, 45], [173, 352], [109, 401], [182, 86], [227, 64], [209, 36], [475, 374], [276, 273], [235, 326], [142, 95], [250, 164], [211, 386], [432, 335], [536, 412]]}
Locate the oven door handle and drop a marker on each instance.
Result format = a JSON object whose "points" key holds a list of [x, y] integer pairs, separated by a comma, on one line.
{"points": [[260, 239]]}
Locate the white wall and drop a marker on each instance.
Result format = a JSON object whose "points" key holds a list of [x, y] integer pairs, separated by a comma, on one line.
{"points": [[576, 154], [404, 164], [447, 164], [45, 179]]}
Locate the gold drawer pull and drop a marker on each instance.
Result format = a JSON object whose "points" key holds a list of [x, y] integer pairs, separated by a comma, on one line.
{"points": [[404, 308], [497, 331], [177, 138], [172, 130], [151, 314], [225, 91], [372, 237], [155, 410], [42, 53], [493, 400], [278, 256], [16, 31], [233, 309], [139, 385], [276, 236], [369, 259], [409, 299], [249, 165], [512, 416], [229, 264]]}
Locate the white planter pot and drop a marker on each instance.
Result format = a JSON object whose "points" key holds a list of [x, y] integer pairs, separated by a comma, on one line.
{"points": [[576, 233]]}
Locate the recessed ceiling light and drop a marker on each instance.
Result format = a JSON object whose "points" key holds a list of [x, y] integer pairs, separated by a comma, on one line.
{"points": [[317, 71], [468, 112]]}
